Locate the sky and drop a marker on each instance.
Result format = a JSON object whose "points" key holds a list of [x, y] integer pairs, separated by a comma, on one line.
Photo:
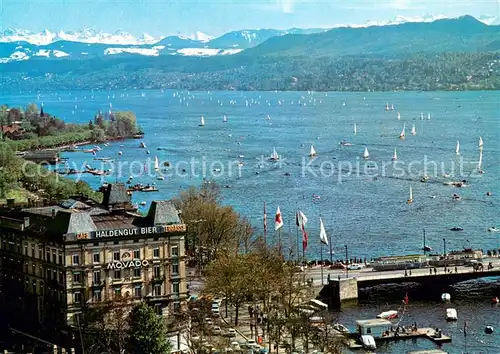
{"points": [[215, 17]]}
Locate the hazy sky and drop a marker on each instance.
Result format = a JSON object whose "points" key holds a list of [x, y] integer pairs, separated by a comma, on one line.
{"points": [[166, 17]]}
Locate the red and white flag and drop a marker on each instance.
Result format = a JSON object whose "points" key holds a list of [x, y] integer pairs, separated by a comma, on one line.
{"points": [[265, 219], [278, 221], [301, 222]]}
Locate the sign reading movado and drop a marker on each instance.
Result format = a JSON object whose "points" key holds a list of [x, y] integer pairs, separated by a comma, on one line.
{"points": [[128, 264]]}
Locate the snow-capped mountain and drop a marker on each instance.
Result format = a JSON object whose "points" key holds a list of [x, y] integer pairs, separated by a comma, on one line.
{"points": [[86, 35]]}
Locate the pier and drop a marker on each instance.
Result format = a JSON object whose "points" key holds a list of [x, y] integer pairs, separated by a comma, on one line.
{"points": [[337, 288]]}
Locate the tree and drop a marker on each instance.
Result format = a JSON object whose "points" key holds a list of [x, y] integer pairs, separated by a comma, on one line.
{"points": [[147, 331], [98, 135]]}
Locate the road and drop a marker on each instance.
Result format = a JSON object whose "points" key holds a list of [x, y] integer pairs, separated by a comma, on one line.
{"points": [[368, 273]]}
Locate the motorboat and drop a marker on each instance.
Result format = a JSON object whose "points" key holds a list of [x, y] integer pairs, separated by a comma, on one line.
{"points": [[446, 297], [142, 145], [451, 315], [456, 196], [340, 327], [424, 179], [456, 228], [368, 342], [345, 143], [388, 315], [493, 229]]}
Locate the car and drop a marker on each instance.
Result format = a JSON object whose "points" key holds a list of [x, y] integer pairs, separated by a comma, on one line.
{"points": [[337, 266], [251, 344], [235, 346], [354, 267], [216, 331], [231, 332], [215, 312]]}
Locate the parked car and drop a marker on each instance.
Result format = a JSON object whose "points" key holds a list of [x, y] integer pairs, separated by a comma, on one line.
{"points": [[354, 267], [216, 331], [231, 332], [235, 346], [251, 344]]}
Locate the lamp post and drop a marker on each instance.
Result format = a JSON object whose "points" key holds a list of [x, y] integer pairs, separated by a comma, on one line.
{"points": [[444, 253], [346, 263]]}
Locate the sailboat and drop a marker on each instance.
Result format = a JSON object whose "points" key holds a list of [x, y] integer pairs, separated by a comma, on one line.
{"points": [[366, 154], [402, 135], [224, 119], [157, 164], [480, 163], [399, 116], [274, 155], [202, 122], [387, 106], [480, 143], [429, 116], [457, 149], [313, 152], [355, 129], [395, 156], [409, 201], [421, 116], [413, 130], [392, 107], [268, 117]]}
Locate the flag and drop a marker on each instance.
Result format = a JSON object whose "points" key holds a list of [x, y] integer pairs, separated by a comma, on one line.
{"points": [[265, 218], [302, 221], [278, 221], [406, 300], [322, 233]]}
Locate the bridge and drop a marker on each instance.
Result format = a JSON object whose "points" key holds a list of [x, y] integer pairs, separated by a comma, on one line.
{"points": [[338, 285]]}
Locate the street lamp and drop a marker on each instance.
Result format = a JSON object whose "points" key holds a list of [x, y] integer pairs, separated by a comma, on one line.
{"points": [[444, 247], [346, 263]]}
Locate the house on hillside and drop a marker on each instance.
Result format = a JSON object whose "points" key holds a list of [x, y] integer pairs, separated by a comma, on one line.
{"points": [[12, 131]]}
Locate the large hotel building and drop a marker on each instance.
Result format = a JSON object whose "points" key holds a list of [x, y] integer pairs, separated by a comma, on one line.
{"points": [[56, 259]]}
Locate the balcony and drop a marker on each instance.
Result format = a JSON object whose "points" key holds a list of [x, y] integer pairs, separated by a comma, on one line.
{"points": [[98, 284], [159, 279]]}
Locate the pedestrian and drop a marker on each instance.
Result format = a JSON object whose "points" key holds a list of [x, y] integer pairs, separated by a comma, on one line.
{"points": [[456, 269], [406, 273], [430, 271]]}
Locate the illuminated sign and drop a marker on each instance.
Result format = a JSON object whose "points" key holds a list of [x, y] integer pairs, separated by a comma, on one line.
{"points": [[82, 235], [140, 231], [128, 264]]}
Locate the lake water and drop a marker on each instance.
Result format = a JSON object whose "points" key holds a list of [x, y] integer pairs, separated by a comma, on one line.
{"points": [[366, 210]]}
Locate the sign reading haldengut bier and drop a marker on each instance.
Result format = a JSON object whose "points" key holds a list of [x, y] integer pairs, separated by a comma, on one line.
{"points": [[134, 231]]}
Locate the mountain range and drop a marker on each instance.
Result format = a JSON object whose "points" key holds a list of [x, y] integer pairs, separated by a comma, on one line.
{"points": [[20, 45]]}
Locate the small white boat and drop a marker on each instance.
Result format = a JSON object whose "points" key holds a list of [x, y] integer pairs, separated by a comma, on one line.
{"points": [[366, 154], [429, 116], [368, 342], [399, 116], [388, 315], [395, 155], [451, 315], [413, 130], [403, 132], [345, 143], [421, 116], [493, 229], [160, 178], [387, 106], [355, 129], [457, 149], [143, 203], [392, 107], [268, 117], [142, 145], [224, 119], [445, 297], [202, 122], [274, 155], [410, 200], [312, 153]]}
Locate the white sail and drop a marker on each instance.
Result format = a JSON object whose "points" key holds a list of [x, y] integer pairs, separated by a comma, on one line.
{"points": [[313, 152], [411, 195], [275, 155], [366, 154], [355, 129], [421, 116], [429, 116], [480, 142], [395, 156], [413, 130], [403, 132], [392, 107], [157, 164], [387, 106], [322, 233], [202, 121], [457, 149], [399, 116], [224, 119]]}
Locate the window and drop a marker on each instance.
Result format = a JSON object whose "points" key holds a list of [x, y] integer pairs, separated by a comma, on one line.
{"points": [[156, 252], [26, 267], [76, 259], [96, 257], [54, 257], [60, 257], [175, 269], [40, 252], [175, 251], [117, 274], [33, 268], [137, 254], [77, 297], [61, 278], [368, 330], [177, 306], [96, 277], [116, 255], [158, 309], [138, 291], [137, 272], [34, 286], [77, 277], [175, 288], [25, 249], [157, 290], [33, 251], [156, 271], [47, 256], [97, 295], [49, 274], [117, 291]]}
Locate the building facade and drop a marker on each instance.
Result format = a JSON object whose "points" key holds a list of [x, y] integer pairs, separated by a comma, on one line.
{"points": [[58, 259]]}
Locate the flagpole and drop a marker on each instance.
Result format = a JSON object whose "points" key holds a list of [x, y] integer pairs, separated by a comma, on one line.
{"points": [[331, 251], [321, 260], [297, 226], [265, 224]]}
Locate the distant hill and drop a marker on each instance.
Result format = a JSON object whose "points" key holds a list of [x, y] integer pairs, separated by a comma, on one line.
{"points": [[464, 34]]}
